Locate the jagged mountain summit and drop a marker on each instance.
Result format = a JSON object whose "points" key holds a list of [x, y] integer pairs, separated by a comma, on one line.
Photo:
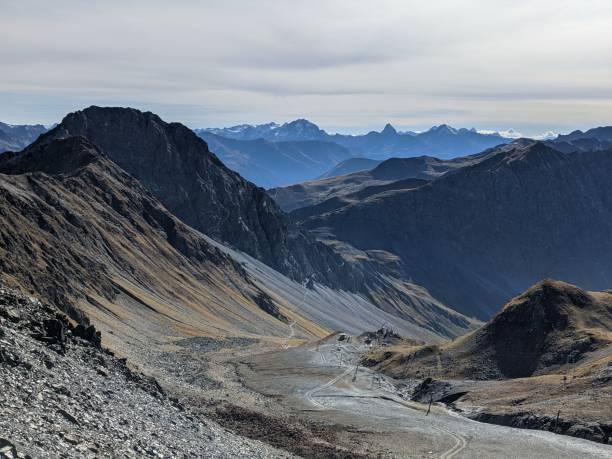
{"points": [[440, 140], [177, 167], [297, 130], [16, 137]]}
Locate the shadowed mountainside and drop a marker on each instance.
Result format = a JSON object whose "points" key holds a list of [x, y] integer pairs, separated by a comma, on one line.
{"points": [[480, 235], [385, 173], [88, 237], [351, 165], [192, 183]]}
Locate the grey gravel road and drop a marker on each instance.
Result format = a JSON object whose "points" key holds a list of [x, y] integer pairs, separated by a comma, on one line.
{"points": [[322, 380]]}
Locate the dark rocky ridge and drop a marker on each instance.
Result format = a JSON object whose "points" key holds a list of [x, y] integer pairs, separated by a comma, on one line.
{"points": [[478, 236], [179, 170]]}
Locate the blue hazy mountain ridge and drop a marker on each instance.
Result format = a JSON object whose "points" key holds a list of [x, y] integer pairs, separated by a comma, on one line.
{"points": [[346, 179], [268, 155]]}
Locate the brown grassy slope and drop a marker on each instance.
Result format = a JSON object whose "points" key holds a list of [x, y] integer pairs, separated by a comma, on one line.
{"points": [[82, 233], [549, 327]]}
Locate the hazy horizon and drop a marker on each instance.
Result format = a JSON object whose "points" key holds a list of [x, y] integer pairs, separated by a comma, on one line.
{"points": [[349, 67]]}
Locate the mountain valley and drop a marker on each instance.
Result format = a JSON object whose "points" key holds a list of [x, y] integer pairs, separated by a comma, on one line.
{"points": [[133, 256]]}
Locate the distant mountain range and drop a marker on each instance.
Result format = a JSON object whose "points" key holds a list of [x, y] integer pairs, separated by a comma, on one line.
{"points": [[16, 137], [273, 155], [300, 129], [276, 155], [599, 138]]}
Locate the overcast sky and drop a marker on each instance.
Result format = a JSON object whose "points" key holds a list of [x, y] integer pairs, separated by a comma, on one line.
{"points": [[349, 66]]}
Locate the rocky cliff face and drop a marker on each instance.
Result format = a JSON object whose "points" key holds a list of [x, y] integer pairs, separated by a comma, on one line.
{"points": [[179, 170], [480, 235]]}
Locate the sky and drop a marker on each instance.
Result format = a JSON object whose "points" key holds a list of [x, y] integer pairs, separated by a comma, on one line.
{"points": [[349, 66]]}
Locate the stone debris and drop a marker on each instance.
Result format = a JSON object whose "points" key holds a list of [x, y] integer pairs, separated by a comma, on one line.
{"points": [[65, 396]]}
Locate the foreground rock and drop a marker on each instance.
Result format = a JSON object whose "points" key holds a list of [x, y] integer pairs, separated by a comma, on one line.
{"points": [[63, 395]]}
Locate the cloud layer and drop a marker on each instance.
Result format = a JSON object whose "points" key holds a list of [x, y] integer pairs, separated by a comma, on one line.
{"points": [[347, 65]]}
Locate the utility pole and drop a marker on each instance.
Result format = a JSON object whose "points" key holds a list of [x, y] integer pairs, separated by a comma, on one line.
{"points": [[429, 407], [355, 375], [557, 421]]}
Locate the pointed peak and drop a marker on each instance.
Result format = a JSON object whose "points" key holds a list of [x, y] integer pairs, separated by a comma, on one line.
{"points": [[388, 129], [303, 122]]}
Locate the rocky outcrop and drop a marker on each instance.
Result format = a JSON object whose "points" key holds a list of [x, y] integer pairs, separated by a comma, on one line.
{"points": [[551, 324], [64, 396], [594, 431]]}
